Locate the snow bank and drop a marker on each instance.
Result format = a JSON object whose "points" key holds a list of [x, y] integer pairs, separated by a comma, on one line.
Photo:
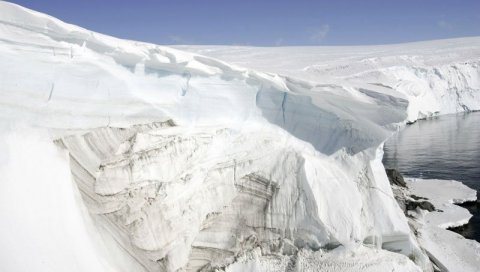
{"points": [[187, 162], [449, 250]]}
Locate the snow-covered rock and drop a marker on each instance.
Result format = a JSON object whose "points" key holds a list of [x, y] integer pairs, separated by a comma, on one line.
{"points": [[190, 162]]}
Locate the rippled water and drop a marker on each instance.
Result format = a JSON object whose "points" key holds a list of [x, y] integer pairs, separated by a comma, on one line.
{"points": [[447, 147]]}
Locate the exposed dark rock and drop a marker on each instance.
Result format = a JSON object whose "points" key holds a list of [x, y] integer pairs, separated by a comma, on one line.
{"points": [[425, 205], [418, 197], [459, 229], [395, 178]]}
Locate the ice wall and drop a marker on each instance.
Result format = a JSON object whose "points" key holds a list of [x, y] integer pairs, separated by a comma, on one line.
{"points": [[436, 77]]}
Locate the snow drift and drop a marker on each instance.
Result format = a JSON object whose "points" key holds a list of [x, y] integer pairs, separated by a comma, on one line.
{"points": [[189, 162]]}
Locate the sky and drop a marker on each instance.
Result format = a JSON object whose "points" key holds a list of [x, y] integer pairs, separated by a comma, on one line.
{"points": [[269, 22]]}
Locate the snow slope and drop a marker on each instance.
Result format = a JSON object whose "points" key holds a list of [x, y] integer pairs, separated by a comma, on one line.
{"points": [[44, 224], [188, 162]]}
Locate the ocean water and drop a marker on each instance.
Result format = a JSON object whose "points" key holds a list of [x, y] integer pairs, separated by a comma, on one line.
{"points": [[445, 147]]}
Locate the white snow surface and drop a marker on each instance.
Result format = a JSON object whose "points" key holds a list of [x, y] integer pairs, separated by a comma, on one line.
{"points": [[451, 251], [185, 161], [444, 194], [44, 224]]}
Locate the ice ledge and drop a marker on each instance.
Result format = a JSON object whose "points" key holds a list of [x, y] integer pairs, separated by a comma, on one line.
{"points": [[448, 250], [444, 194]]}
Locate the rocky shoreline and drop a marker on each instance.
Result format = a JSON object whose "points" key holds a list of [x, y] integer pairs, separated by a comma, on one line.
{"points": [[438, 214], [468, 230], [406, 201]]}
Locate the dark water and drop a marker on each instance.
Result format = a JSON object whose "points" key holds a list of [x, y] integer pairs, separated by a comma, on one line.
{"points": [[447, 147]]}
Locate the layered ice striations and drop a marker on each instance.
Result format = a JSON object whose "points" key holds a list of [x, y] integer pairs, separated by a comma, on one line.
{"points": [[177, 198], [189, 162]]}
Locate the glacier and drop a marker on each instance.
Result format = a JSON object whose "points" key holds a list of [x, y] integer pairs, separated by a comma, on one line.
{"points": [[140, 157]]}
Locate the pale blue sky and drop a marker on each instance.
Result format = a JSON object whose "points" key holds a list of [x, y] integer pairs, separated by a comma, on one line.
{"points": [[270, 23]]}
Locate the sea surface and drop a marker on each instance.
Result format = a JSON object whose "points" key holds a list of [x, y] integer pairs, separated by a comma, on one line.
{"points": [[445, 147]]}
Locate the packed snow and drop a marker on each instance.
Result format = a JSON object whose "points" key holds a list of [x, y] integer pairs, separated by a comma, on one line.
{"points": [[255, 157], [360, 258]]}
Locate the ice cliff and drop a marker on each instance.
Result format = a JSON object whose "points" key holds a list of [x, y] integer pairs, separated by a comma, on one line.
{"points": [[188, 161], [436, 77]]}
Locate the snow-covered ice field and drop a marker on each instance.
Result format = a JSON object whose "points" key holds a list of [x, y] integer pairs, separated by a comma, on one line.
{"points": [[120, 155]]}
